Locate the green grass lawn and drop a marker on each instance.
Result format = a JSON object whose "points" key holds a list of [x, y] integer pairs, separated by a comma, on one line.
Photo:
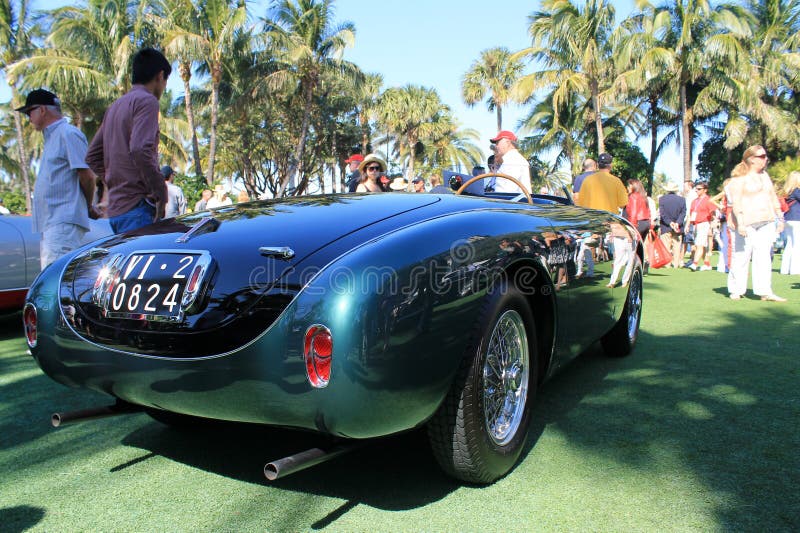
{"points": [[699, 429]]}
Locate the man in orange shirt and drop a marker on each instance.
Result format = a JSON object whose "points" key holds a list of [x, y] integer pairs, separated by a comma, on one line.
{"points": [[603, 190]]}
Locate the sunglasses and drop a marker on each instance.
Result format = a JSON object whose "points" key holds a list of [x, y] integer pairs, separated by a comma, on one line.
{"points": [[31, 110], [373, 168], [761, 156]]}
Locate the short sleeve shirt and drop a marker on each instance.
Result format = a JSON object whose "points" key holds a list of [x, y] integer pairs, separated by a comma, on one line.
{"points": [[703, 209], [603, 190], [57, 194], [579, 179], [516, 166], [176, 202]]}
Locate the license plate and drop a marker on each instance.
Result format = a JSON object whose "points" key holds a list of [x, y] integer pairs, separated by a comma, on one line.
{"points": [[155, 285]]}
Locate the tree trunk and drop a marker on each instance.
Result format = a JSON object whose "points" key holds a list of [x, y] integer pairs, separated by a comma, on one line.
{"points": [[301, 144], [686, 135], [499, 109], [23, 162], [216, 76], [186, 74], [651, 166], [412, 151], [364, 136], [334, 151], [598, 119]]}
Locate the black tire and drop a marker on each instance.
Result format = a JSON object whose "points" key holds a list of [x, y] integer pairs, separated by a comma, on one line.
{"points": [[459, 433], [620, 341]]}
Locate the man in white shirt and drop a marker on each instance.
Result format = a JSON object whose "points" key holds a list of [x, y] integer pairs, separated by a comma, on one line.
{"points": [[514, 164]]}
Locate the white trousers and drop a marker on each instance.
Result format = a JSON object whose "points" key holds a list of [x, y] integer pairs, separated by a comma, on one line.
{"points": [[790, 264], [58, 240], [585, 257], [756, 245], [623, 257]]}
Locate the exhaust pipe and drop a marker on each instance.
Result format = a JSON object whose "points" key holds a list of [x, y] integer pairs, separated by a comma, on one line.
{"points": [[93, 413], [302, 460]]}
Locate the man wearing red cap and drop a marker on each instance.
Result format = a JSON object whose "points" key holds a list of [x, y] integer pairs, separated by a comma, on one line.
{"points": [[514, 164], [355, 176]]}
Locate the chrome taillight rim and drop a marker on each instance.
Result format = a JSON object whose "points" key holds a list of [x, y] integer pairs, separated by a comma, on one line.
{"points": [[30, 322], [318, 355]]}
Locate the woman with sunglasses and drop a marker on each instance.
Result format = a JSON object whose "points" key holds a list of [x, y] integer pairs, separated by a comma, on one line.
{"points": [[756, 219], [371, 169]]}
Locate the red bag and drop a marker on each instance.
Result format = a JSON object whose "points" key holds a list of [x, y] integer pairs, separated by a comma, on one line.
{"points": [[659, 254]]}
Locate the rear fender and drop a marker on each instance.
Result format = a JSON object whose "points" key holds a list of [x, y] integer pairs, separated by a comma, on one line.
{"points": [[400, 308]]}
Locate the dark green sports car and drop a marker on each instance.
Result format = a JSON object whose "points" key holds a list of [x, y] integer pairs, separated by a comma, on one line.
{"points": [[355, 316]]}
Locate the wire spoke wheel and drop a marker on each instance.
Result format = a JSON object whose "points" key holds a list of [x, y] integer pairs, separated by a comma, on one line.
{"points": [[634, 306], [505, 378], [621, 339], [480, 430]]}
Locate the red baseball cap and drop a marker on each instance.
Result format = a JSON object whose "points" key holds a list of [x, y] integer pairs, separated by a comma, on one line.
{"points": [[355, 157], [505, 134]]}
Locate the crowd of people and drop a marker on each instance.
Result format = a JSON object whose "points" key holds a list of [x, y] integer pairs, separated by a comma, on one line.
{"points": [[744, 220]]}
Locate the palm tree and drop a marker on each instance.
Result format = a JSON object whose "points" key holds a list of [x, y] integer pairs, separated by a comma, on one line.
{"points": [[773, 76], [218, 25], [494, 74], [561, 129], [451, 146], [15, 43], [705, 63], [173, 131], [184, 21], [88, 55], [572, 43], [307, 43], [409, 114], [367, 93], [646, 66]]}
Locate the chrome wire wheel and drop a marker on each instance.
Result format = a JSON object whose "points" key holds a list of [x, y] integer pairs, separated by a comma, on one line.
{"points": [[505, 378], [634, 305]]}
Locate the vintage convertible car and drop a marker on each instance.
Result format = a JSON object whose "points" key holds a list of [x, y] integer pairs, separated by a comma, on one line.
{"points": [[355, 316], [19, 257]]}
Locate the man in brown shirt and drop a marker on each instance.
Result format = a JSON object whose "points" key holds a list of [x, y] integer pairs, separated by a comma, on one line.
{"points": [[125, 149]]}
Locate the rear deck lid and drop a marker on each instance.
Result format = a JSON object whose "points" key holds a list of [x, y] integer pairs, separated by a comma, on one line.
{"points": [[169, 289]]}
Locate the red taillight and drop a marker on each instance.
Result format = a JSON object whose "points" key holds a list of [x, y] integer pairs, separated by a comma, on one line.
{"points": [[30, 321], [317, 351], [192, 285]]}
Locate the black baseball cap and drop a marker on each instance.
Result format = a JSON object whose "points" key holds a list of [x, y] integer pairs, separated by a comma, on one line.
{"points": [[605, 158], [167, 171], [39, 97]]}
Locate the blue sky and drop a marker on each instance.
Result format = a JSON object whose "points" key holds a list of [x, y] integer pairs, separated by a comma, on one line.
{"points": [[433, 43]]}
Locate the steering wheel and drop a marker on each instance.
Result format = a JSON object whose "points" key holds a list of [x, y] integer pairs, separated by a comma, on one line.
{"points": [[499, 175]]}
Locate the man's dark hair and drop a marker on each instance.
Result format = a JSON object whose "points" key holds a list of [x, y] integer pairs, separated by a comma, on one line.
{"points": [[147, 63]]}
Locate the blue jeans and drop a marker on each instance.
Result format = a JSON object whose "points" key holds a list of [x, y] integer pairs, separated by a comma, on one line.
{"points": [[138, 217]]}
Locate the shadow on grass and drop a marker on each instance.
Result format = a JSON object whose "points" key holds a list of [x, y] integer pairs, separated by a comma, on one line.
{"points": [[20, 518], [11, 326], [240, 451], [721, 398]]}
